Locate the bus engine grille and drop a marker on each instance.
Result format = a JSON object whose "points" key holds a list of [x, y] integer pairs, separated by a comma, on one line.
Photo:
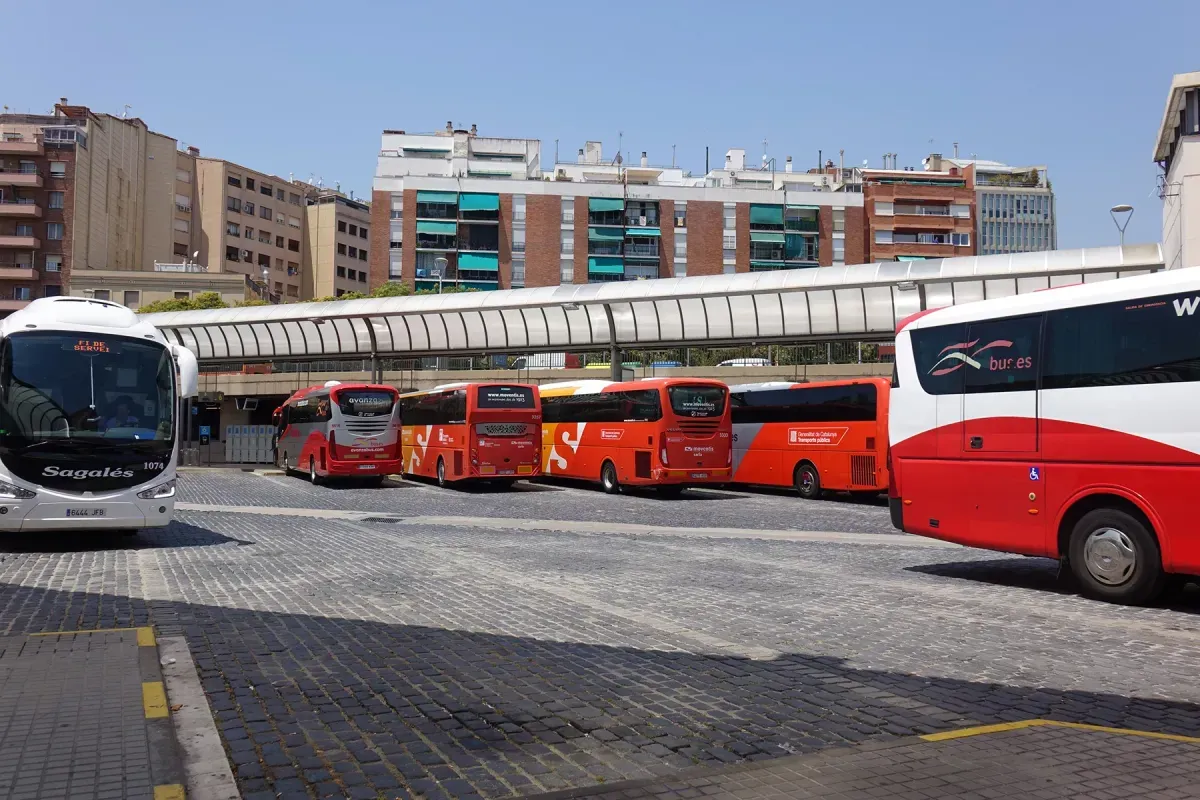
{"points": [[367, 427], [862, 470]]}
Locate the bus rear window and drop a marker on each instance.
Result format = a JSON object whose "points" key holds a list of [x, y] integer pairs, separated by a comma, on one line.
{"points": [[365, 403], [504, 397], [697, 401]]}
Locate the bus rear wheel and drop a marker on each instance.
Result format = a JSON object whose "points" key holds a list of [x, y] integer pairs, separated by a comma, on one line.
{"points": [[313, 477], [608, 478], [441, 473], [807, 481], [282, 462], [1115, 557]]}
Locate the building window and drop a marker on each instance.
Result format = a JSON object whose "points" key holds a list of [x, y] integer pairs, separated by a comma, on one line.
{"points": [[264, 260], [362, 255], [131, 299], [183, 176], [397, 213], [293, 198], [960, 239], [280, 194], [729, 254], [395, 261], [729, 241], [248, 256], [23, 229], [54, 231], [293, 268], [341, 272], [54, 263], [278, 240], [839, 251], [353, 252], [180, 249], [568, 210], [233, 204], [293, 291], [568, 242], [294, 245], [518, 208], [352, 274], [248, 208], [234, 180], [566, 271], [21, 293], [58, 169], [680, 215], [395, 244], [518, 272], [293, 222], [250, 184], [248, 232], [53, 291], [362, 233], [354, 230], [341, 248], [101, 294], [183, 295], [883, 237], [279, 263], [265, 188], [183, 203], [232, 254], [680, 245], [264, 212], [730, 215], [518, 240], [839, 219], [362, 276], [341, 226], [183, 226], [56, 200]]}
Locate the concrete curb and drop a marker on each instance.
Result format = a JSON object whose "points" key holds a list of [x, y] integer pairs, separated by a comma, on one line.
{"points": [[205, 766]]}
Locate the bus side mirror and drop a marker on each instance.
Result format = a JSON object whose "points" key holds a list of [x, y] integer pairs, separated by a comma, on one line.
{"points": [[189, 371]]}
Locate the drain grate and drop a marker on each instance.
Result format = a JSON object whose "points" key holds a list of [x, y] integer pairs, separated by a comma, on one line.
{"points": [[387, 520]]}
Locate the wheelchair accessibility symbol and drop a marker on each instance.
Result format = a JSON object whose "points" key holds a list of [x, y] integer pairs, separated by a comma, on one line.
{"points": [[1034, 474]]}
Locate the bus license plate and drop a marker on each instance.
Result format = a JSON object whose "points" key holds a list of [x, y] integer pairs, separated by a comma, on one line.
{"points": [[86, 512], [699, 475], [366, 466]]}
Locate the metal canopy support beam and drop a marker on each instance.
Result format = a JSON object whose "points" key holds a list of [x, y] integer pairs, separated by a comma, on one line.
{"points": [[614, 349]]}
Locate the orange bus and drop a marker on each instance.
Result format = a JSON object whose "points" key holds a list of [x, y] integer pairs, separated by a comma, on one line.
{"points": [[669, 433], [471, 431], [339, 430], [829, 436]]}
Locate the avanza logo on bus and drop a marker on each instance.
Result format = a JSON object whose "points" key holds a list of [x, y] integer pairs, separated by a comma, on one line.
{"points": [[955, 356]]}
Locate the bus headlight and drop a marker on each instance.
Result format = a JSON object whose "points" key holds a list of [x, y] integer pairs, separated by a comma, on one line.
{"points": [[160, 492], [10, 492]]}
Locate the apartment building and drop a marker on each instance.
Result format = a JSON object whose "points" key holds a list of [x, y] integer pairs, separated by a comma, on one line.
{"points": [[179, 281], [336, 244], [252, 223], [457, 208], [913, 214], [1177, 153], [1014, 206], [78, 190]]}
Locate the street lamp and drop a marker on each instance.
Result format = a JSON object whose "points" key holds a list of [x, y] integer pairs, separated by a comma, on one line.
{"points": [[1123, 208], [266, 273], [440, 266]]}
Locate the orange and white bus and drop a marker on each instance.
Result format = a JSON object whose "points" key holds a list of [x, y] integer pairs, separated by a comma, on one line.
{"points": [[669, 433], [472, 431], [829, 436], [339, 429], [1059, 423]]}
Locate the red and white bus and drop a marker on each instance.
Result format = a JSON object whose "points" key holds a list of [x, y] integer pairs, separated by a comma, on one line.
{"points": [[472, 431], [669, 433], [340, 429], [829, 436], [1059, 423]]}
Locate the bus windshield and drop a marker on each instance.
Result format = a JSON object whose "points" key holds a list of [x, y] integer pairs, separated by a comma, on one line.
{"points": [[697, 401], [67, 388]]}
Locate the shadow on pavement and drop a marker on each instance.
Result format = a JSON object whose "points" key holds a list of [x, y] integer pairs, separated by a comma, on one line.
{"points": [[178, 534], [836, 498], [1042, 574], [336, 706]]}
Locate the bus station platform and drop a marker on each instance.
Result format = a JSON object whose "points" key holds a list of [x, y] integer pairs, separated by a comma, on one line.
{"points": [[85, 715], [1032, 759]]}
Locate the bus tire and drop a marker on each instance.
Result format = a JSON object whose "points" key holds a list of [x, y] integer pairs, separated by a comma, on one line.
{"points": [[441, 472], [1114, 557], [282, 461], [671, 490], [608, 478], [807, 481], [313, 477]]}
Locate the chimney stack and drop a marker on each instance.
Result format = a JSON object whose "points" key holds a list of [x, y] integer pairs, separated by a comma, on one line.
{"points": [[579, 158], [474, 130], [644, 162], [787, 165], [449, 126]]}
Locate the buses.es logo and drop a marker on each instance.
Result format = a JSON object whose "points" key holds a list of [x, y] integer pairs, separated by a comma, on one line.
{"points": [[954, 357]]}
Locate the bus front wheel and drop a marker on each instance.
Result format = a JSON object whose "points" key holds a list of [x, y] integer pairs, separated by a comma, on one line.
{"points": [[608, 478], [1115, 557], [441, 473], [807, 481]]}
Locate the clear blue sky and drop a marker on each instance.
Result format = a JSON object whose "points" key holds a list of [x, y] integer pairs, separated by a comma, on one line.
{"points": [[307, 87]]}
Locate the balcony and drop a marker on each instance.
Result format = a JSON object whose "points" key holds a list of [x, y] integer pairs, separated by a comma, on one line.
{"points": [[20, 242], [641, 250], [13, 305], [17, 273], [21, 210], [22, 177], [34, 148]]}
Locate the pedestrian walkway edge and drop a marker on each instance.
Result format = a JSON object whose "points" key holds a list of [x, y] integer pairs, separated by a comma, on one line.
{"points": [[206, 770], [166, 764]]}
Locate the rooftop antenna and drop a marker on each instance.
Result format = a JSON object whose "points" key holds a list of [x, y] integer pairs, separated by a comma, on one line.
{"points": [[672, 156], [620, 141], [764, 159], [125, 113]]}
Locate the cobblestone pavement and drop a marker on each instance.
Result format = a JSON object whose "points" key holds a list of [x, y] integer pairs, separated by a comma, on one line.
{"points": [[345, 658]]}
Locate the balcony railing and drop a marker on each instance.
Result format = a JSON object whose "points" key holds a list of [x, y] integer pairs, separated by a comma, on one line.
{"points": [[637, 221], [642, 250], [923, 211], [183, 209], [21, 208]]}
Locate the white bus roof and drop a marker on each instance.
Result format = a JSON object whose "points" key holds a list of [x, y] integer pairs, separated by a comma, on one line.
{"points": [[1084, 294], [80, 314]]}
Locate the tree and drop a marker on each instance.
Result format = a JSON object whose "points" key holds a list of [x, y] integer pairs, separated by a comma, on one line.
{"points": [[204, 300], [208, 300], [253, 301], [391, 289]]}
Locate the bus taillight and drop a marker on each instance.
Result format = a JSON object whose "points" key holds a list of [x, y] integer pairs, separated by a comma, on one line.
{"points": [[332, 444], [662, 448]]}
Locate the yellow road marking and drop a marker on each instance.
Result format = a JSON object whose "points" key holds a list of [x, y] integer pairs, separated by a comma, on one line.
{"points": [[981, 730], [154, 699], [168, 791], [145, 634]]}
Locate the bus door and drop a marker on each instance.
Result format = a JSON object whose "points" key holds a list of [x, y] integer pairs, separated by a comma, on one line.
{"points": [[1000, 433]]}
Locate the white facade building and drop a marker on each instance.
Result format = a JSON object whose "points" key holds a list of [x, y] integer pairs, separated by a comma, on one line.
{"points": [[1177, 152]]}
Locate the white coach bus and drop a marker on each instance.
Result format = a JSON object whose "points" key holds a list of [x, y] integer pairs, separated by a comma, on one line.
{"points": [[89, 417]]}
